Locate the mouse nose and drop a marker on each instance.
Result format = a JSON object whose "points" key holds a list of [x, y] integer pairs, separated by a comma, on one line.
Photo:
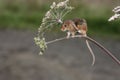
{"points": [[62, 28]]}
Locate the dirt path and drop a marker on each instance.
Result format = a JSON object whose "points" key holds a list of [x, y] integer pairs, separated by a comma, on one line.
{"points": [[65, 60]]}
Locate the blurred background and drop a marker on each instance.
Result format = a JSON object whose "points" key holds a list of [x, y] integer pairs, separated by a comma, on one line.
{"points": [[27, 14], [65, 60]]}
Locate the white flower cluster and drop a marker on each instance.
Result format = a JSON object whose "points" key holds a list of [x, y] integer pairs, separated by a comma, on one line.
{"points": [[116, 10], [52, 17], [62, 4], [57, 11], [41, 43]]}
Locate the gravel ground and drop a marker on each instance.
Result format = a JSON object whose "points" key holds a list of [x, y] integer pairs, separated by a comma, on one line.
{"points": [[65, 60]]}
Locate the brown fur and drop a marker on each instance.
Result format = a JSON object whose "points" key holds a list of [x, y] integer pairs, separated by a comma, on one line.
{"points": [[74, 26]]}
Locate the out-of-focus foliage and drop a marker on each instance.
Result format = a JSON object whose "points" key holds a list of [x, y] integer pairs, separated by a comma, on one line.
{"points": [[28, 14]]}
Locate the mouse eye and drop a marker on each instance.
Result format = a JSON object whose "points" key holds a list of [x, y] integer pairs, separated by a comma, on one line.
{"points": [[65, 25]]}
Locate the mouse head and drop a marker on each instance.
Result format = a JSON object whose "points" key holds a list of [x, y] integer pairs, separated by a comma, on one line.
{"points": [[66, 25]]}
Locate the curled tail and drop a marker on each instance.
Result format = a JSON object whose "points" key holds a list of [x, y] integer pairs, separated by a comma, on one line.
{"points": [[90, 49], [93, 56]]}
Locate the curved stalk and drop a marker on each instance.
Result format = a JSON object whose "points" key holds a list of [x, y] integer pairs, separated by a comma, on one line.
{"points": [[93, 41]]}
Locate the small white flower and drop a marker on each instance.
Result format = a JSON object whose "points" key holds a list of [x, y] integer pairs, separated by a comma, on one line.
{"points": [[114, 17], [48, 14], [61, 4], [43, 20], [53, 5], [117, 11], [40, 53], [39, 29], [116, 8], [59, 21], [111, 18], [36, 39]]}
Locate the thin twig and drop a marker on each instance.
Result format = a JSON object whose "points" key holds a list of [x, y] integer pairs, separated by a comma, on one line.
{"points": [[93, 41], [56, 40]]}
